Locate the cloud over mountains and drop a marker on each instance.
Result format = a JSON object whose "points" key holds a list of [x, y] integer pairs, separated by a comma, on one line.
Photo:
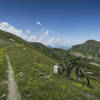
{"points": [[45, 38]]}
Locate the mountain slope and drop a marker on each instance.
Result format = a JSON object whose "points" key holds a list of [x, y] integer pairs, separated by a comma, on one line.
{"points": [[90, 48], [2, 43], [36, 80], [33, 67], [55, 53], [8, 38]]}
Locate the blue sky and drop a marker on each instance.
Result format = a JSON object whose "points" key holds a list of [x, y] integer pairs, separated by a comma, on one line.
{"points": [[62, 22]]}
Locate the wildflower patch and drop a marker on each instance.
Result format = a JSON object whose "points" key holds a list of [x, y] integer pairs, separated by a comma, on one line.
{"points": [[78, 85]]}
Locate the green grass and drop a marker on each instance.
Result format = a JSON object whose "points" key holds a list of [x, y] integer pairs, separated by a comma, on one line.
{"points": [[52, 53], [3, 43], [36, 81], [33, 67], [89, 48], [3, 75]]}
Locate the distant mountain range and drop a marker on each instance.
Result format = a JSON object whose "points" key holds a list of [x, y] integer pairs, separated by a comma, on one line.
{"points": [[61, 47]]}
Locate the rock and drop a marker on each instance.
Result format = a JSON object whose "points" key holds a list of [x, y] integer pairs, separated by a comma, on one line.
{"points": [[21, 74], [90, 73], [24, 48], [12, 40], [4, 95], [41, 74], [46, 76]]}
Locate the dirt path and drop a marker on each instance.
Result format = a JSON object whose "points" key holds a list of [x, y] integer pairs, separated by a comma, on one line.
{"points": [[13, 93]]}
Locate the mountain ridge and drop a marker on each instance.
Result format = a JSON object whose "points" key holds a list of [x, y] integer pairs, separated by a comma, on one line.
{"points": [[11, 39], [89, 48], [33, 65]]}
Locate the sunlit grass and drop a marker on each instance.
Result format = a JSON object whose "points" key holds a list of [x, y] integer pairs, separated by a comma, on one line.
{"points": [[3, 75], [35, 78]]}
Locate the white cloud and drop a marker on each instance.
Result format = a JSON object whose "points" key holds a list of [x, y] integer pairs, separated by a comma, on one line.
{"points": [[28, 31], [46, 32], [38, 23], [9, 28], [45, 38]]}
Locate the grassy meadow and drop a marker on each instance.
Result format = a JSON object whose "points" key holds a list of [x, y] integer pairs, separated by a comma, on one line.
{"points": [[36, 80], [33, 71], [3, 75]]}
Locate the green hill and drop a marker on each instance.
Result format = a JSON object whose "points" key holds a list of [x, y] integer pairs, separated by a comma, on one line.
{"points": [[36, 80], [53, 53], [33, 67], [2, 43], [11, 37], [90, 49]]}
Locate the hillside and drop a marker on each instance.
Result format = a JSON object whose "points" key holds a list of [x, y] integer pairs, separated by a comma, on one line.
{"points": [[36, 80], [33, 64], [8, 39], [55, 53], [90, 49]]}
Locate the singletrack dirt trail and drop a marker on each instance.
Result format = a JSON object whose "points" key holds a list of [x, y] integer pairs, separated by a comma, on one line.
{"points": [[13, 93]]}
